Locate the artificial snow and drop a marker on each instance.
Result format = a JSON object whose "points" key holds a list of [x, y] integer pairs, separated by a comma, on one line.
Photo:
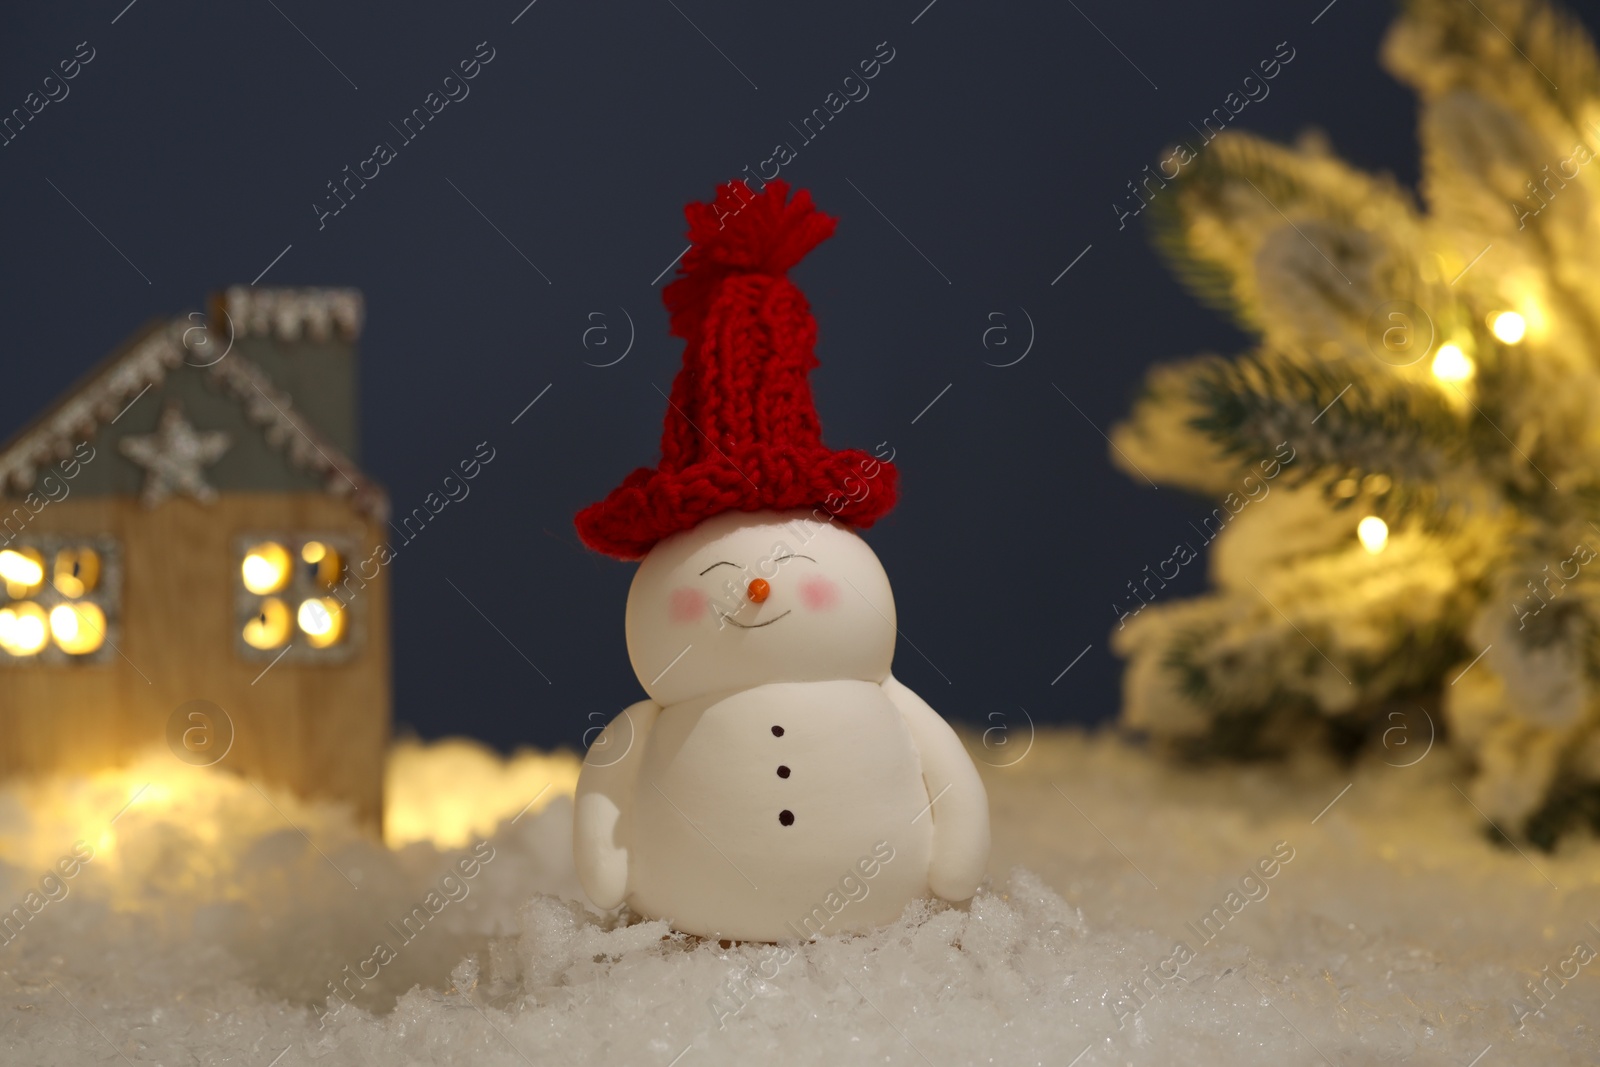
{"points": [[1136, 914]]}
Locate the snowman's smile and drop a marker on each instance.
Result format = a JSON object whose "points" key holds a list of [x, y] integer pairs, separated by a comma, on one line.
{"points": [[750, 625]]}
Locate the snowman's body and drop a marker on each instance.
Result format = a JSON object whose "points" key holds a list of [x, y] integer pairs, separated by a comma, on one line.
{"points": [[780, 783], [712, 849]]}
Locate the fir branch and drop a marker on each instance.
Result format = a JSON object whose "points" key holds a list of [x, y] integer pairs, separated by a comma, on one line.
{"points": [[1316, 256], [1515, 51], [1242, 190], [1571, 803], [1158, 441], [1203, 675], [1336, 416]]}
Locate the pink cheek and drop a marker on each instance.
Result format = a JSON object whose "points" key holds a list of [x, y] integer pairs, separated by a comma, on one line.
{"points": [[818, 594], [686, 605]]}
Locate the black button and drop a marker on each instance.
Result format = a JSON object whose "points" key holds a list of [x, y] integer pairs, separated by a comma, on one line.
{"points": [[783, 772], [777, 731], [786, 817]]}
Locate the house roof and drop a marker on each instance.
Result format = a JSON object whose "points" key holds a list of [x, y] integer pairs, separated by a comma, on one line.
{"points": [[189, 344]]}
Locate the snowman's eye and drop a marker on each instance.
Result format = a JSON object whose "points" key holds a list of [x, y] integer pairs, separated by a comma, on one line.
{"points": [[719, 563], [792, 555]]}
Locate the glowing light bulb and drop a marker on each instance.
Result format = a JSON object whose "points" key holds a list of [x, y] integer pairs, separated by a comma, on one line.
{"points": [[23, 630], [322, 620], [1508, 327], [1450, 364], [78, 628], [313, 551], [20, 569], [265, 568], [1374, 533]]}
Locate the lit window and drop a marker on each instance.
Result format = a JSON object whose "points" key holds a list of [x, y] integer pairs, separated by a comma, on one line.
{"points": [[77, 571], [266, 567], [22, 629], [325, 566], [78, 628], [269, 626], [291, 603], [321, 619], [22, 569], [60, 602]]}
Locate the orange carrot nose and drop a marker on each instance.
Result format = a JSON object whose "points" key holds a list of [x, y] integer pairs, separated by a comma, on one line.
{"points": [[759, 590]]}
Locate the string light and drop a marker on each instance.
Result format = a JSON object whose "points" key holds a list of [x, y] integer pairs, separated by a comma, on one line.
{"points": [[1450, 364], [1508, 327], [1374, 533]]}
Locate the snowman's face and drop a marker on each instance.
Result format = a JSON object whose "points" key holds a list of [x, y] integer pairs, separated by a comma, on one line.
{"points": [[747, 598]]}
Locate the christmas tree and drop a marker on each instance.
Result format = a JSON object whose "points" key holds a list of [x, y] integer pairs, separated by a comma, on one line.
{"points": [[1407, 463]]}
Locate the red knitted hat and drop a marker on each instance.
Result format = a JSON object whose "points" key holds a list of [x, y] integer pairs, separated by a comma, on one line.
{"points": [[741, 433]]}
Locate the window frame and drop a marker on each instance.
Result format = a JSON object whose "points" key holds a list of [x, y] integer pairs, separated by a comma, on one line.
{"points": [[299, 588], [106, 595]]}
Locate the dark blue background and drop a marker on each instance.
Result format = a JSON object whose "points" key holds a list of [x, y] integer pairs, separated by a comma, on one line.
{"points": [[996, 140]]}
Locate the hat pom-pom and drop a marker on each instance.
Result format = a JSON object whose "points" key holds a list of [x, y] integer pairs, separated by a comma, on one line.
{"points": [[741, 232]]}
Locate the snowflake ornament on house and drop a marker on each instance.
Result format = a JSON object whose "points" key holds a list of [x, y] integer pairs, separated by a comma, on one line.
{"points": [[779, 783]]}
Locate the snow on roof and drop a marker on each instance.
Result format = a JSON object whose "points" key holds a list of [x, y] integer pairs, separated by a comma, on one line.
{"points": [[107, 390], [289, 314]]}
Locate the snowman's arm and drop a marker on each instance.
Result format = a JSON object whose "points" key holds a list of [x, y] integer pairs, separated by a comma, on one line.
{"points": [[603, 808], [960, 808]]}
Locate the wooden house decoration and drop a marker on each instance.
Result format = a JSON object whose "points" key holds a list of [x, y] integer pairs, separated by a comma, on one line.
{"points": [[189, 523]]}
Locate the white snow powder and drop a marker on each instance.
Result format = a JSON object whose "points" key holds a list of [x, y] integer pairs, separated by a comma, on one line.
{"points": [[216, 923]]}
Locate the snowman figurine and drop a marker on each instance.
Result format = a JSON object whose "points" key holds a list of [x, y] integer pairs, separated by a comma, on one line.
{"points": [[778, 783]]}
